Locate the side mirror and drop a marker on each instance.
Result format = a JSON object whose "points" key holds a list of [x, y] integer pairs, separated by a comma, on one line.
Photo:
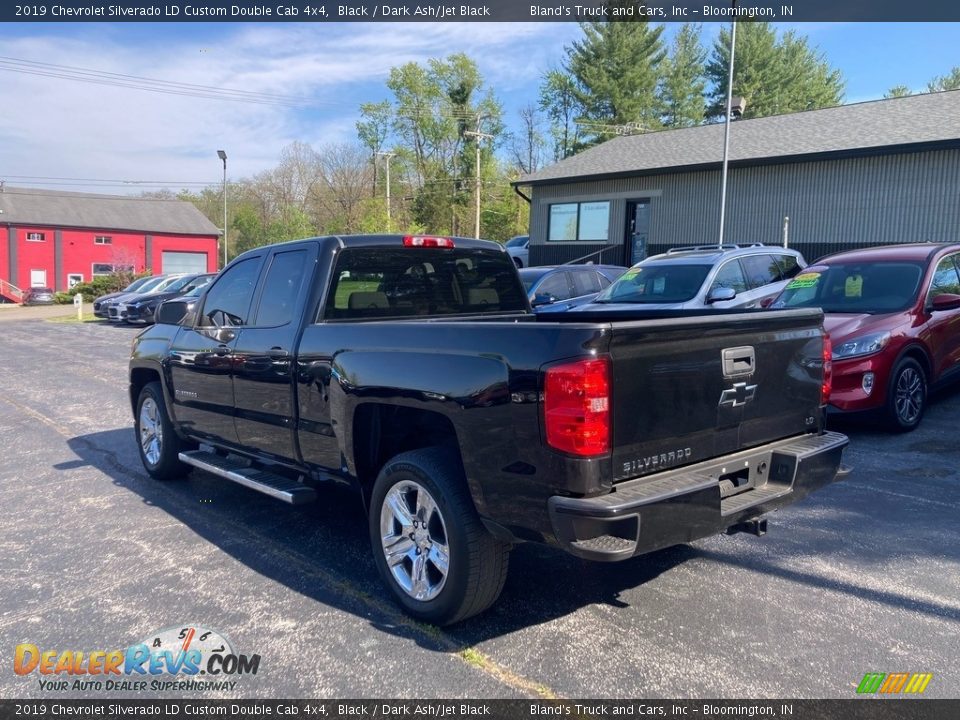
{"points": [[947, 301], [171, 312], [543, 299], [721, 294]]}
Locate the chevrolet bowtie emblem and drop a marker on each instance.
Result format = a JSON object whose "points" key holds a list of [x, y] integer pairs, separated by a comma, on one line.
{"points": [[739, 394]]}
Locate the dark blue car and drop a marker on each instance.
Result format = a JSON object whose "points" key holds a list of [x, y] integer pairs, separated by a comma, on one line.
{"points": [[552, 288]]}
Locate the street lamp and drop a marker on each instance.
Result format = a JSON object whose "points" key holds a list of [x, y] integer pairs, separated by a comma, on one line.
{"points": [[223, 156], [726, 129]]}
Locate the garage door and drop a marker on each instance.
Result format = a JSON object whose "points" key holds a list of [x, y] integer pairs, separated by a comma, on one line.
{"points": [[183, 262]]}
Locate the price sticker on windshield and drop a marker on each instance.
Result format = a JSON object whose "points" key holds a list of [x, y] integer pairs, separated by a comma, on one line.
{"points": [[804, 280], [853, 287]]}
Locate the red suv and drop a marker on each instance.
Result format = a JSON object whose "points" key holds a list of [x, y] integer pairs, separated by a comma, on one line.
{"points": [[893, 315]]}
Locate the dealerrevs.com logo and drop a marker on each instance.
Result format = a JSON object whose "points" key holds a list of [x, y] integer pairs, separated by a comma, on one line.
{"points": [[183, 658]]}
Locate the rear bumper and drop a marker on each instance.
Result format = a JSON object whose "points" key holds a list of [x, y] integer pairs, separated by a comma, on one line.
{"points": [[686, 504]]}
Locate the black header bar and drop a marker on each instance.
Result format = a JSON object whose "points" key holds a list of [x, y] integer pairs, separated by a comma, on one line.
{"points": [[319, 11]]}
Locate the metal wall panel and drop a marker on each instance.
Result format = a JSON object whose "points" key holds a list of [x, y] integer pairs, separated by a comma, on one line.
{"points": [[832, 205]]}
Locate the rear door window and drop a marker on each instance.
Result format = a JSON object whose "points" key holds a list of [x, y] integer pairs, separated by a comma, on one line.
{"points": [[585, 282], [281, 288], [760, 270], [789, 266]]}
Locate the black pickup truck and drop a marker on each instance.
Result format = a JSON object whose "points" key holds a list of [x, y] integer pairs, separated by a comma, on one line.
{"points": [[413, 368]]}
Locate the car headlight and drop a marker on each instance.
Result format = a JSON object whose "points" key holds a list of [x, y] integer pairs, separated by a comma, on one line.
{"points": [[863, 345]]}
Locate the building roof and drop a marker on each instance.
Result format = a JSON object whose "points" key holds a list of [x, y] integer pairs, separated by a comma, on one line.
{"points": [[878, 126], [57, 208]]}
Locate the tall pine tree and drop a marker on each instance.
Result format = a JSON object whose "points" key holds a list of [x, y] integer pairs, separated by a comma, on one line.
{"points": [[774, 75], [616, 67], [682, 86]]}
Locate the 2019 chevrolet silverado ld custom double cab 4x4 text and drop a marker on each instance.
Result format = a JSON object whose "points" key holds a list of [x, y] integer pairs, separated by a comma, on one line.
{"points": [[413, 368]]}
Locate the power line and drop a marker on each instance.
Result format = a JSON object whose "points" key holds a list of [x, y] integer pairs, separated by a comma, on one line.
{"points": [[137, 82]]}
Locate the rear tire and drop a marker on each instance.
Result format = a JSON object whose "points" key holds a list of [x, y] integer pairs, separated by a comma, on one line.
{"points": [[906, 395], [157, 442], [429, 544]]}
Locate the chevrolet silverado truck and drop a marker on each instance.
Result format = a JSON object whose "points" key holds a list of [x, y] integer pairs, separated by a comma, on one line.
{"points": [[413, 368]]}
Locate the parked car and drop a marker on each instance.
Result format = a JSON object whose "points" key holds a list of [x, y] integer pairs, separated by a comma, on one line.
{"points": [[102, 305], [519, 249], [38, 296], [706, 276], [893, 316], [140, 309], [113, 305], [138, 285], [412, 368], [552, 288]]}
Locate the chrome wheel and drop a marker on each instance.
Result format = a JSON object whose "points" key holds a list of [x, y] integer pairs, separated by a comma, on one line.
{"points": [[413, 537], [151, 431], [909, 395]]}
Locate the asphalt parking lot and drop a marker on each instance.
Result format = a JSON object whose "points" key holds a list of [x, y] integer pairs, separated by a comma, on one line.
{"points": [[861, 577]]}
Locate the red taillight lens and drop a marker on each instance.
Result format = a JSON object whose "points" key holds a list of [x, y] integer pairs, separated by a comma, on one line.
{"points": [[424, 241], [827, 370], [576, 402]]}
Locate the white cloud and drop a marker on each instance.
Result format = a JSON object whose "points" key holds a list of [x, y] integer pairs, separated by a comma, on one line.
{"points": [[64, 128]]}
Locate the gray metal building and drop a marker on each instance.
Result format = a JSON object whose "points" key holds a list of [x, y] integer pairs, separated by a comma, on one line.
{"points": [[871, 173]]}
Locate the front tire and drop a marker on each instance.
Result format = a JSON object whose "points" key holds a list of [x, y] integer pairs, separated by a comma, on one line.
{"points": [[429, 545], [906, 395], [157, 442]]}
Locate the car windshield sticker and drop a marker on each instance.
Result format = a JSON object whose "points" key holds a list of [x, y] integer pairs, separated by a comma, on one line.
{"points": [[804, 280], [853, 287]]}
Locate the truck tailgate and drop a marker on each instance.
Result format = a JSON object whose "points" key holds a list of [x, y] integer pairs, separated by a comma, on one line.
{"points": [[689, 389]]}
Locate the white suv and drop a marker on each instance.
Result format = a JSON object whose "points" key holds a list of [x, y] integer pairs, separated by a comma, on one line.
{"points": [[706, 276]]}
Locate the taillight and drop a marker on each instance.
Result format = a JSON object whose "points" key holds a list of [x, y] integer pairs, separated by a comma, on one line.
{"points": [[424, 241], [827, 370], [576, 402]]}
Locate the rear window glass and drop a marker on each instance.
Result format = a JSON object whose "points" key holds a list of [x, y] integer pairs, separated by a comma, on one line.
{"points": [[417, 282]]}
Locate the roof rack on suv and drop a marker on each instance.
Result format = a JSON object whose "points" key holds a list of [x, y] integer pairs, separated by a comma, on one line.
{"points": [[671, 251]]}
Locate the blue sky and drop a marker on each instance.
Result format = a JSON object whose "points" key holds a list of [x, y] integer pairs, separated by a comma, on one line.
{"points": [[55, 127]]}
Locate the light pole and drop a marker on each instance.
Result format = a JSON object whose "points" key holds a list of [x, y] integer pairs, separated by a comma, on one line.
{"points": [[387, 155], [479, 136], [223, 156], [726, 128]]}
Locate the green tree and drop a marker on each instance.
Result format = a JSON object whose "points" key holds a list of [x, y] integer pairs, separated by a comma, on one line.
{"points": [[558, 99], [774, 75], [616, 67], [950, 81], [898, 91], [683, 84]]}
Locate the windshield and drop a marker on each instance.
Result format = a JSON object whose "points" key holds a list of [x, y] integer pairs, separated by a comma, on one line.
{"points": [[656, 284], [151, 283], [168, 284], [180, 283], [879, 287], [137, 284]]}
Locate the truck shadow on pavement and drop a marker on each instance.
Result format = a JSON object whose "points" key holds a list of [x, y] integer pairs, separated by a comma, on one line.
{"points": [[322, 551]]}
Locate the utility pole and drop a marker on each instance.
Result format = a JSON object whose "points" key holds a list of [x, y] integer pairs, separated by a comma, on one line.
{"points": [[387, 155], [479, 136]]}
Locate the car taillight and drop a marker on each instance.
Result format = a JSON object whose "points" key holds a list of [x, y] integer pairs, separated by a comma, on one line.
{"points": [[424, 241], [576, 402], [827, 370]]}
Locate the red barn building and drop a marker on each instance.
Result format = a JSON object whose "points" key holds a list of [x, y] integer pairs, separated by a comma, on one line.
{"points": [[52, 238]]}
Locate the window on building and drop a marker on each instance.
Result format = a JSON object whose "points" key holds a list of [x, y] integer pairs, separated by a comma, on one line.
{"points": [[109, 269], [36, 236], [102, 240], [582, 222]]}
